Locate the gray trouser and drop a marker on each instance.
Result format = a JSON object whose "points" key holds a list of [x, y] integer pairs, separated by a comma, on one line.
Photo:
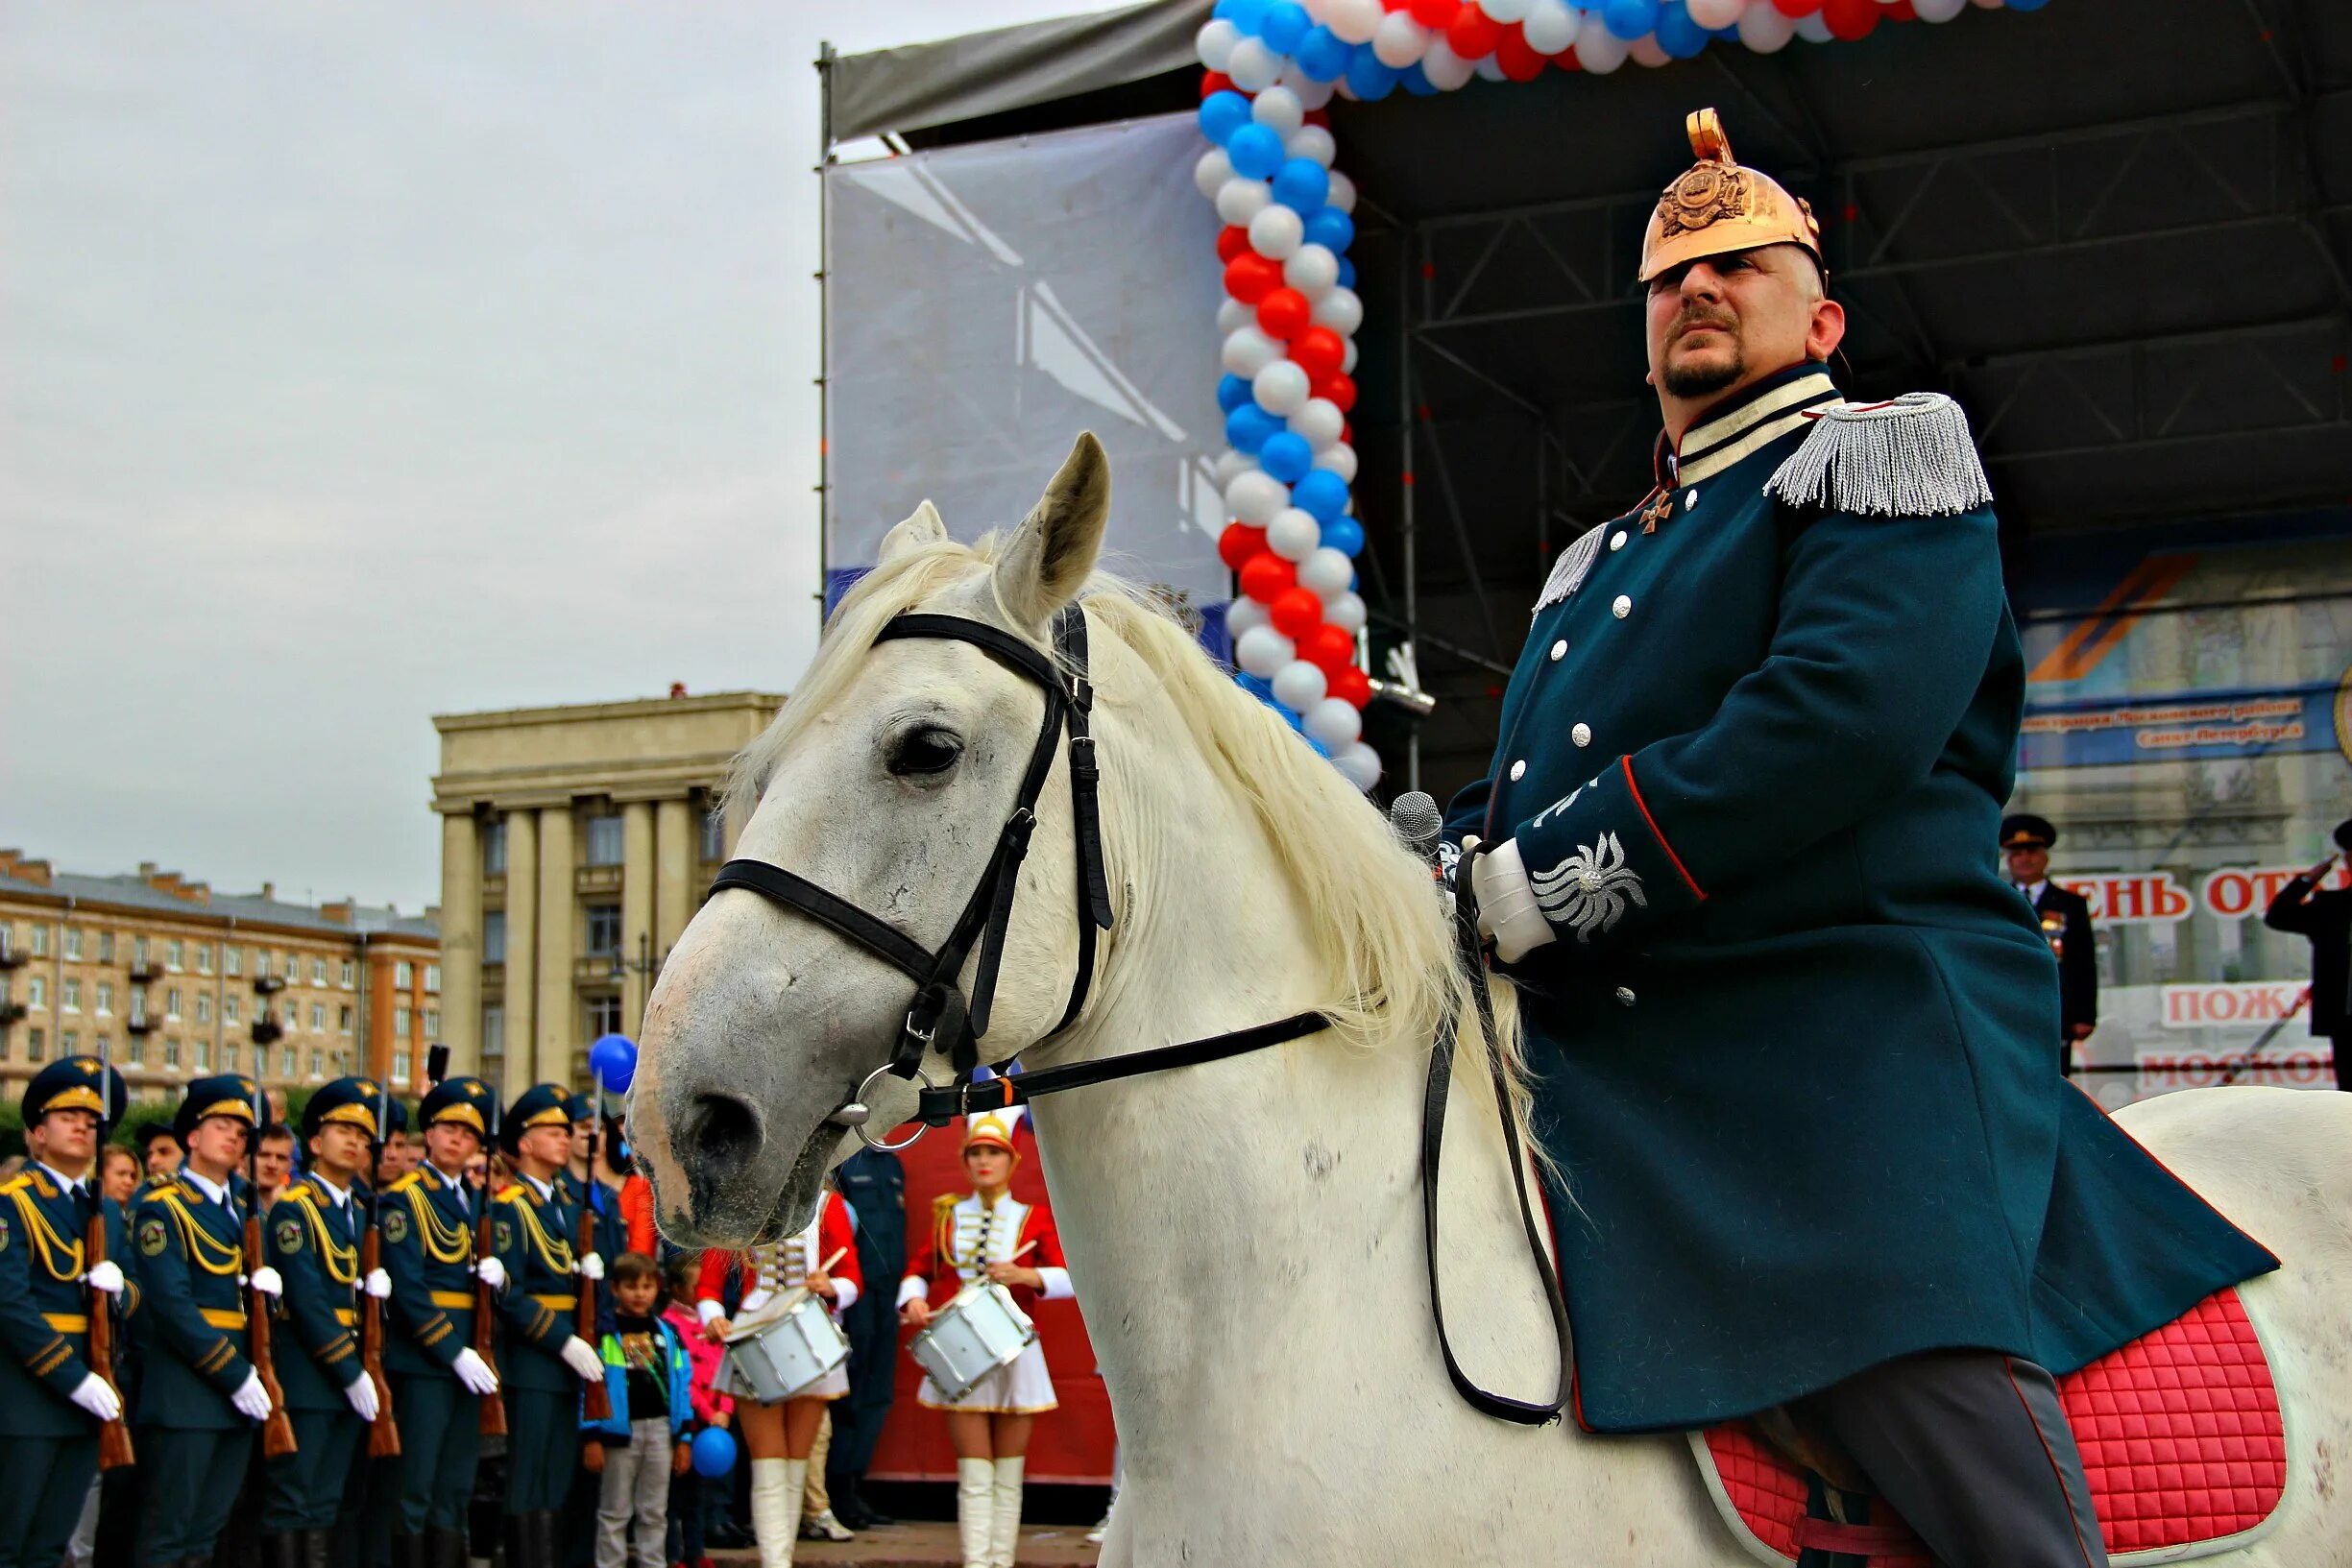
{"points": [[636, 1484], [1972, 1448]]}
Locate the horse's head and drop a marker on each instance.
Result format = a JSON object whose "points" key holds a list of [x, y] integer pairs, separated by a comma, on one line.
{"points": [[886, 782]]}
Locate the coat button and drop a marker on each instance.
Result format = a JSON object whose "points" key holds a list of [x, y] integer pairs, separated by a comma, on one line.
{"points": [[1582, 734], [1623, 608], [1625, 996], [1560, 650], [1616, 540], [1519, 770], [1690, 498]]}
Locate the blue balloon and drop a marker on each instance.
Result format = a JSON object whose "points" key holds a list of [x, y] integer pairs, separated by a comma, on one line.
{"points": [[1249, 15], [1302, 184], [1321, 750], [1368, 77], [1257, 686], [1222, 113], [1322, 494], [2029, 5], [612, 1059], [1629, 19], [1416, 81], [1248, 426], [1330, 227], [1287, 456], [713, 1451], [1678, 35], [1347, 274], [1345, 535], [1233, 392], [1254, 149], [1323, 55], [1286, 24]]}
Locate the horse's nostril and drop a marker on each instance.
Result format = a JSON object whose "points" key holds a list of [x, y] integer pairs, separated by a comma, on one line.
{"points": [[723, 1132]]}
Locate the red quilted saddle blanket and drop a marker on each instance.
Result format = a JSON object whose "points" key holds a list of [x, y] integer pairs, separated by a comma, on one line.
{"points": [[2180, 1434]]}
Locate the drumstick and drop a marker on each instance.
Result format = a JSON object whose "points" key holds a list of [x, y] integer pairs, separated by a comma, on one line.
{"points": [[839, 1253]]}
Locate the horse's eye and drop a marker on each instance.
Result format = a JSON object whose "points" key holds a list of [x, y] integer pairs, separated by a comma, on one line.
{"points": [[924, 751]]}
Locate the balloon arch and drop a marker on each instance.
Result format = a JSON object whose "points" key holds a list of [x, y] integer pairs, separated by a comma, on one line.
{"points": [[1290, 314]]}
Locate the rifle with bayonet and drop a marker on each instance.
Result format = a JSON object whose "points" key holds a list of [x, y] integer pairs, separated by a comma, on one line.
{"points": [[114, 1437], [596, 1400], [485, 1299], [383, 1434], [277, 1432]]}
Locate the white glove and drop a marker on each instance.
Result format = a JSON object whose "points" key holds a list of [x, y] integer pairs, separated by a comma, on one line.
{"points": [[361, 1398], [474, 1372], [251, 1400], [379, 1285], [107, 1276], [1507, 909], [490, 1272], [590, 1267], [752, 1303], [582, 1359], [95, 1395], [265, 1280]]}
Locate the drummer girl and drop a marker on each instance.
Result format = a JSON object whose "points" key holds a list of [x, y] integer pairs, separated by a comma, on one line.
{"points": [[989, 1233], [780, 1434]]}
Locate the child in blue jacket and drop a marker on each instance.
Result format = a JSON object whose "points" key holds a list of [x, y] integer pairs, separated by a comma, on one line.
{"points": [[644, 1442]]}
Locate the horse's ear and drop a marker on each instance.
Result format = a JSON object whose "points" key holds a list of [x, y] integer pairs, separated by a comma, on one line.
{"points": [[1050, 555], [923, 528]]}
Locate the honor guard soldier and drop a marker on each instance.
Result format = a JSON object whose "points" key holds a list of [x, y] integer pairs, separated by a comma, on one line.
{"points": [[439, 1380], [2064, 919], [1775, 999], [545, 1361], [53, 1398], [313, 1242], [200, 1397]]}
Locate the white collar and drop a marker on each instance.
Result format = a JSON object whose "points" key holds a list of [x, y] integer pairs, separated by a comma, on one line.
{"points": [[71, 1184], [455, 1184], [2033, 890], [341, 1195], [545, 1190], [217, 1192], [1708, 449]]}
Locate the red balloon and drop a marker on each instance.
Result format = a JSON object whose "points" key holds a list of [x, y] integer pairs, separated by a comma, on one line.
{"points": [[1320, 352], [1283, 314], [1518, 59], [1351, 685], [1342, 389], [1902, 11], [1799, 9], [1347, 432], [1849, 19], [1250, 277], [1328, 648], [1296, 612], [1472, 34], [1232, 241], [1437, 16], [1238, 543], [1566, 59], [1266, 578], [1216, 82], [1319, 117]]}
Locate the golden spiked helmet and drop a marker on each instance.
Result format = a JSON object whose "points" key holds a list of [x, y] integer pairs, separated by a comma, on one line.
{"points": [[1716, 206]]}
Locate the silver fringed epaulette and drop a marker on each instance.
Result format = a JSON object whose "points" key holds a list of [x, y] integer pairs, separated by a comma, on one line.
{"points": [[1909, 457], [1568, 573]]}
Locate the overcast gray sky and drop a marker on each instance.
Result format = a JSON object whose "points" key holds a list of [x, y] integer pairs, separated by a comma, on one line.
{"points": [[364, 362]]}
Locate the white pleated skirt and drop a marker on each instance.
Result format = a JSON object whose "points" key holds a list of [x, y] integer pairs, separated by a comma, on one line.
{"points": [[1024, 1388]]}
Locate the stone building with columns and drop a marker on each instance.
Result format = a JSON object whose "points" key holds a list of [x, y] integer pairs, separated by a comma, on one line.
{"points": [[576, 844]]}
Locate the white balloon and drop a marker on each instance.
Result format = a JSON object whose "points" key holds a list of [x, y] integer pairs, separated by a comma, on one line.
{"points": [[1312, 270], [1278, 109], [1343, 197], [1714, 14], [1240, 199], [1241, 617], [1489, 68], [1347, 358], [1249, 350], [1299, 685], [1313, 142], [1764, 27], [1232, 315], [1281, 387], [1277, 233], [1814, 29], [1231, 465], [1353, 21], [1342, 310], [1551, 27], [1648, 51], [1347, 611], [1256, 497], [1988, 5], [1254, 66], [1214, 42], [1264, 652], [1340, 460], [1447, 70], [1326, 572], [1333, 721], [1939, 10], [1294, 534], [1359, 764], [1212, 172], [1597, 50], [1321, 422], [1313, 94], [1399, 41], [1507, 11]]}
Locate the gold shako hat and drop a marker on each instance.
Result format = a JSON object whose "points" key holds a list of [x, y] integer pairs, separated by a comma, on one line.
{"points": [[1716, 206]]}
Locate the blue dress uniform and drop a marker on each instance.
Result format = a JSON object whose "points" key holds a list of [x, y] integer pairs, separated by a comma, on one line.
{"points": [[51, 1442], [531, 1230], [193, 1445], [873, 1182], [428, 1225]]}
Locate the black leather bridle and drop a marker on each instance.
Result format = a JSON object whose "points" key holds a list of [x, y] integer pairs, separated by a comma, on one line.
{"points": [[941, 1017]]}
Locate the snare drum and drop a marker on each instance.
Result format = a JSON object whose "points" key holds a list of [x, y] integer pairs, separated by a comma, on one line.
{"points": [[980, 1330], [787, 1351]]}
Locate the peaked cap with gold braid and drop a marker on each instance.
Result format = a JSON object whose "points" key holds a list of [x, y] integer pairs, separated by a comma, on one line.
{"points": [[1716, 206]]}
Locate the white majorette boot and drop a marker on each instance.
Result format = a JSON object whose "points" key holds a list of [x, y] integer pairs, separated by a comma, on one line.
{"points": [[974, 1509], [775, 1511], [1004, 1525]]}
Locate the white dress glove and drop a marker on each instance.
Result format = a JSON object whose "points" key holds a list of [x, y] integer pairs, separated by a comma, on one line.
{"points": [[95, 1395], [361, 1398], [490, 1272], [752, 1303], [251, 1400], [379, 1283], [1507, 909], [107, 1276], [590, 1267], [265, 1280], [474, 1372], [583, 1360]]}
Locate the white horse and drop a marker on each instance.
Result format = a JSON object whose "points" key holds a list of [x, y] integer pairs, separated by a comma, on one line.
{"points": [[1246, 1235]]}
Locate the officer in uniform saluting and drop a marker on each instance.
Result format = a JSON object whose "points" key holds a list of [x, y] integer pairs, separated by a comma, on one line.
{"points": [[545, 1363], [314, 1241], [199, 1400], [52, 1400]]}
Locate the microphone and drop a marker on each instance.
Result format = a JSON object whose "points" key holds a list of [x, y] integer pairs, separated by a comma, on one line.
{"points": [[1416, 821]]}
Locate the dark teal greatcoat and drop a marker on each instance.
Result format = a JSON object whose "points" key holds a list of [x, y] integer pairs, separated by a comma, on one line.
{"points": [[1827, 1130], [189, 1253], [533, 1238]]}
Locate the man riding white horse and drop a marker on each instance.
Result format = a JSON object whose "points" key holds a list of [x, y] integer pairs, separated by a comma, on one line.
{"points": [[1787, 1023]]}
